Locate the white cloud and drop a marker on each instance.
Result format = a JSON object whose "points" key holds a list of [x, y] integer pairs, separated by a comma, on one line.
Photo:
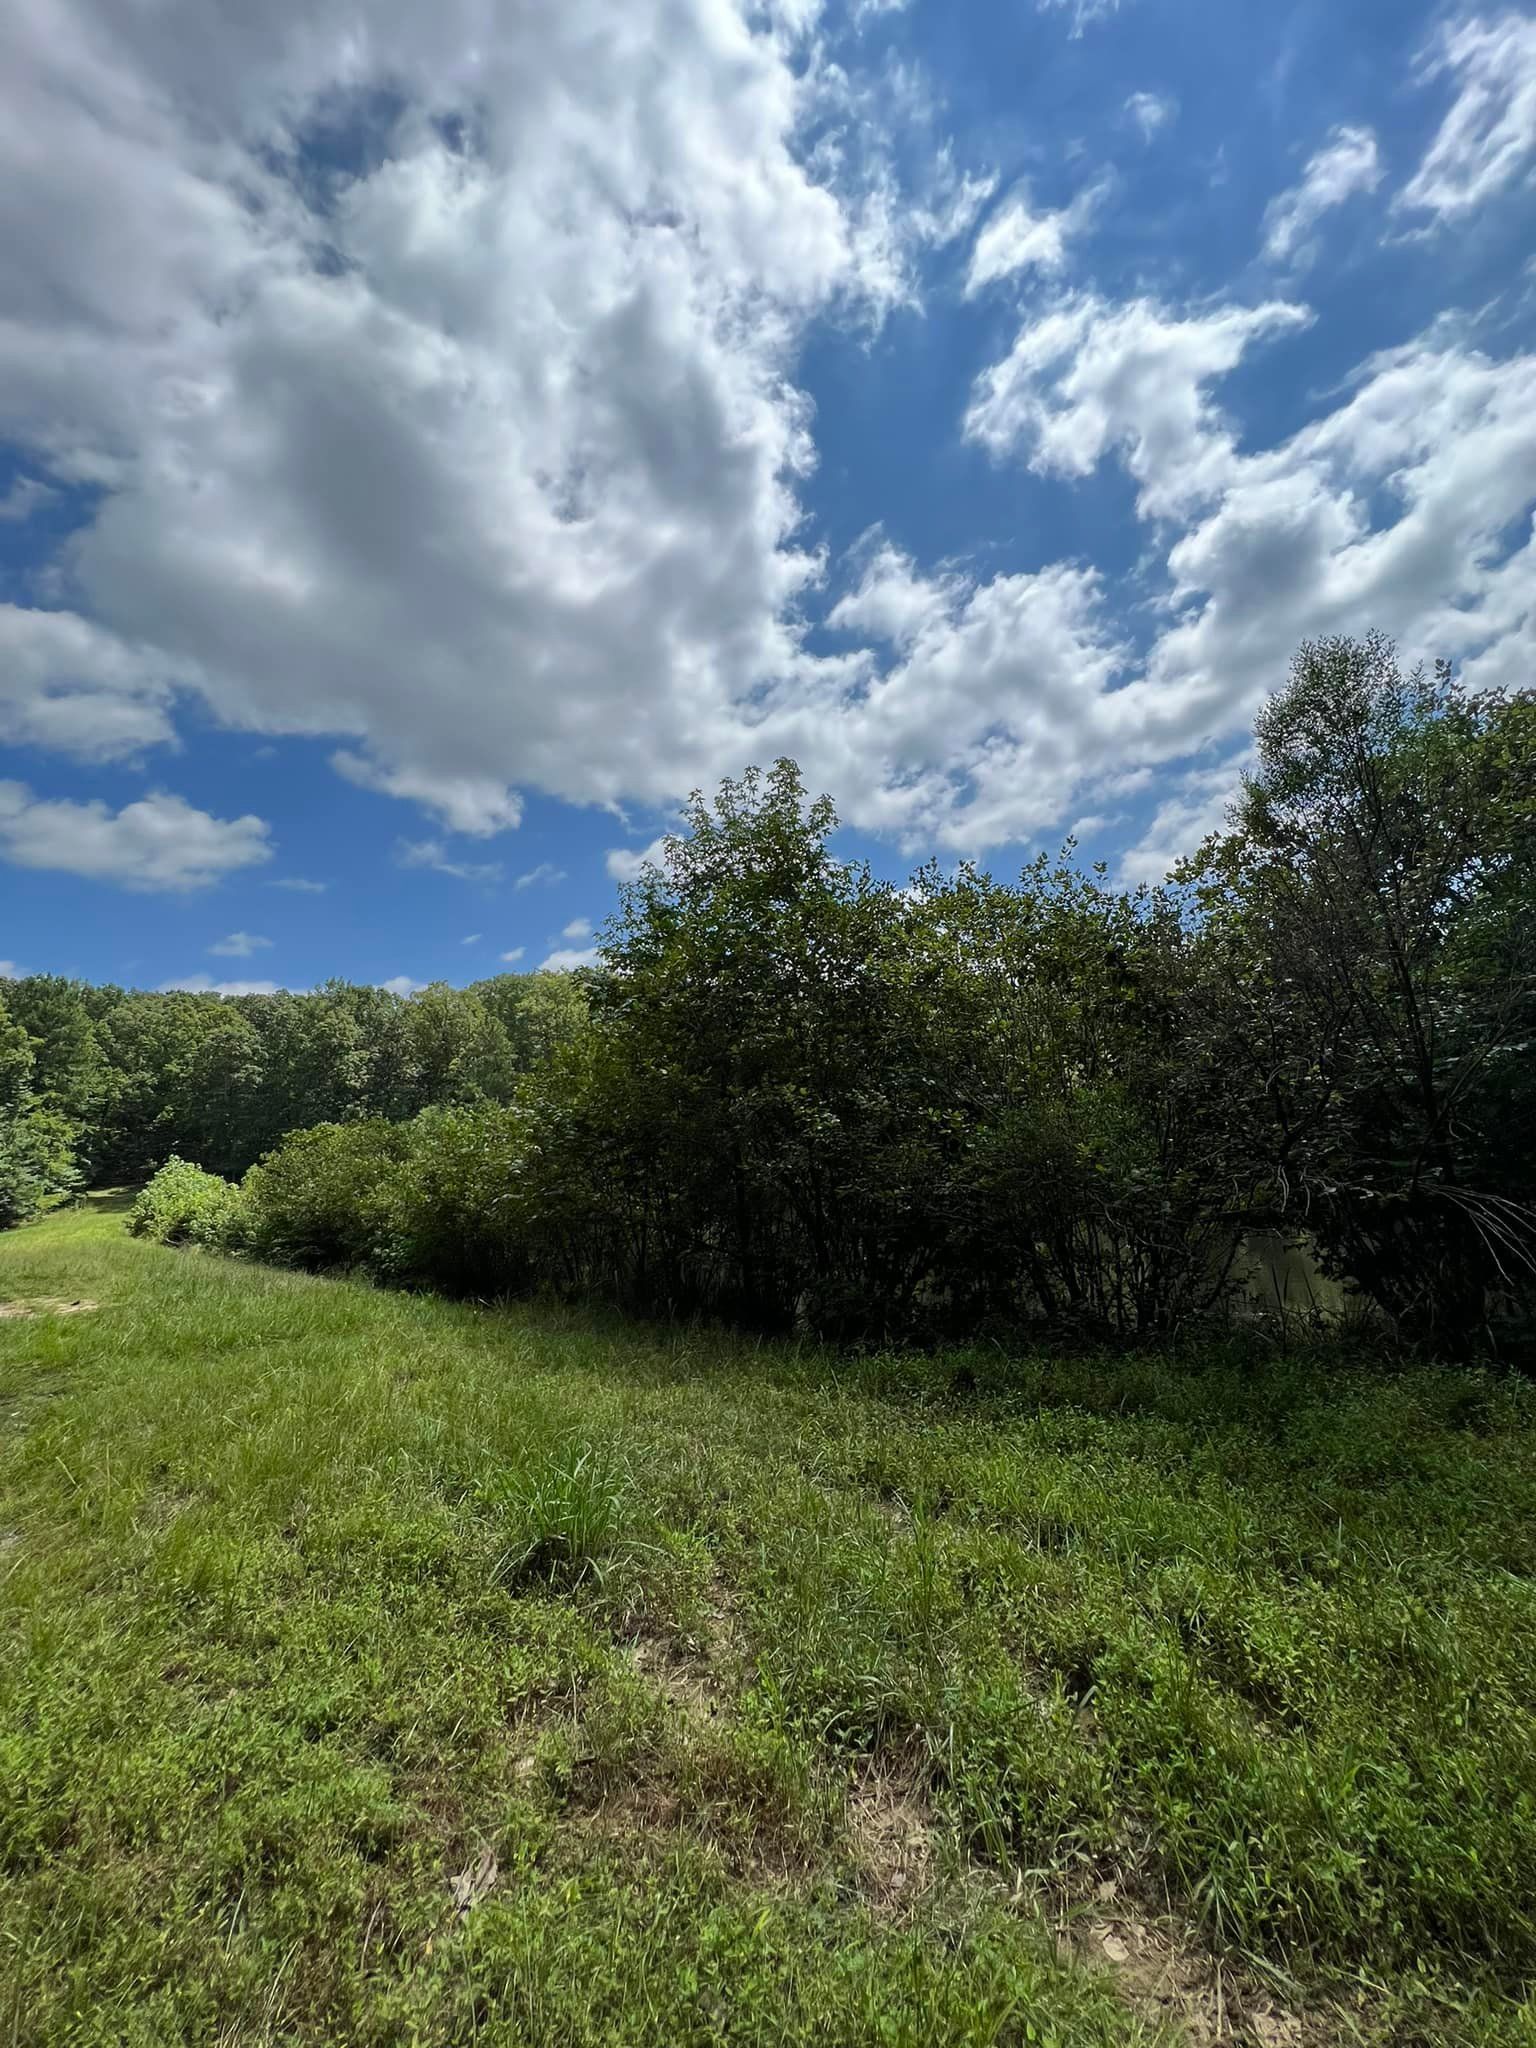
{"points": [[980, 727], [67, 685], [1197, 807], [300, 886], [1151, 112], [625, 864], [1087, 378], [401, 985], [511, 958], [472, 938], [578, 928], [1349, 164], [160, 842], [565, 958], [467, 450], [475, 805], [1488, 139], [431, 853], [1407, 505], [205, 985], [9, 971], [546, 874], [240, 945], [1017, 238]]}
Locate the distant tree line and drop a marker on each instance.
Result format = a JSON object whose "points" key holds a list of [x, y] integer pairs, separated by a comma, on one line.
{"points": [[794, 1095], [109, 1083]]}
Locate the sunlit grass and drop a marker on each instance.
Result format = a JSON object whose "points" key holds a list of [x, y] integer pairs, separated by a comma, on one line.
{"points": [[314, 1593]]}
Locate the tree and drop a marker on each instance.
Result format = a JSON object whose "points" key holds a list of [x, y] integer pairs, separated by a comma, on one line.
{"points": [[37, 1161], [68, 1069], [1374, 902], [539, 1012]]}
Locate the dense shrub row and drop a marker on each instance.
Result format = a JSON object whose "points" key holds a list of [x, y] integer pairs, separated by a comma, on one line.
{"points": [[802, 1095]]}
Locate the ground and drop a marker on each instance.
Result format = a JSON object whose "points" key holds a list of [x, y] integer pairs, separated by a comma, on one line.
{"points": [[382, 1670]]}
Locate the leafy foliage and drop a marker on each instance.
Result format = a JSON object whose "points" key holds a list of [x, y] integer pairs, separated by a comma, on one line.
{"points": [[796, 1096], [185, 1205], [38, 1163]]}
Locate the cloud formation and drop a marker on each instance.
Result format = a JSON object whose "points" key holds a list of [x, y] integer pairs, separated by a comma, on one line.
{"points": [[1488, 138], [1350, 164], [1017, 238], [160, 842]]}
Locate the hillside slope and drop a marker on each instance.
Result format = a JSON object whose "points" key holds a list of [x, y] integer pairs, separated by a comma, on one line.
{"points": [[381, 1670]]}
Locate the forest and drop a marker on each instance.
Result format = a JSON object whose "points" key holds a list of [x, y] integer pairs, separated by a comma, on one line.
{"points": [[796, 1096]]}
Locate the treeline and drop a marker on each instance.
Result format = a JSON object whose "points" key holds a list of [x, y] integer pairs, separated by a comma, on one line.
{"points": [[101, 1085], [798, 1096]]}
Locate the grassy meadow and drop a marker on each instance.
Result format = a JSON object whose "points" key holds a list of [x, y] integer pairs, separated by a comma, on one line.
{"points": [[382, 1670]]}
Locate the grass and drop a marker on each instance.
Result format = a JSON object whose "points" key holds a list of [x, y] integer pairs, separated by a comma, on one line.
{"points": [[775, 1697]]}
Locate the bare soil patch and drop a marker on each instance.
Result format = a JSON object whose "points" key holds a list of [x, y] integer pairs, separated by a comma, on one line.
{"points": [[893, 1835]]}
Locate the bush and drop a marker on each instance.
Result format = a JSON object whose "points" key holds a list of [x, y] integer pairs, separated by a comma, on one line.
{"points": [[321, 1198], [185, 1205], [452, 1213]]}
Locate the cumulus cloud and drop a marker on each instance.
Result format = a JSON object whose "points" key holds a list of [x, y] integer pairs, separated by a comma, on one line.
{"points": [[1350, 163], [1407, 505], [1017, 238], [160, 842], [239, 945], [545, 875], [564, 958], [578, 928], [435, 390], [205, 985], [1198, 806], [1088, 377], [1488, 138], [1151, 112], [626, 864], [9, 971], [67, 685], [401, 985], [437, 382], [475, 805], [514, 955]]}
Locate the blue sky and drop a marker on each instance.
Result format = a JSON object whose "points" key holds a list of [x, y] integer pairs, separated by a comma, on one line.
{"points": [[431, 441]]}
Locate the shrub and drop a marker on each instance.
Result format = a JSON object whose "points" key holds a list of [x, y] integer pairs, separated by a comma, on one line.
{"points": [[320, 1198], [451, 1214], [185, 1205]]}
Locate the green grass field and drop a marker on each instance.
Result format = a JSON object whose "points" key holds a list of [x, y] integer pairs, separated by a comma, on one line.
{"points": [[380, 1670]]}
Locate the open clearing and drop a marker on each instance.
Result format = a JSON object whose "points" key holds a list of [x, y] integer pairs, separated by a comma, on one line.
{"points": [[380, 1670]]}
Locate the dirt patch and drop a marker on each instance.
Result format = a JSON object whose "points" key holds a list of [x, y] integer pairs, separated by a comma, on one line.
{"points": [[893, 1836], [1165, 1974], [45, 1305], [697, 1673], [686, 1682]]}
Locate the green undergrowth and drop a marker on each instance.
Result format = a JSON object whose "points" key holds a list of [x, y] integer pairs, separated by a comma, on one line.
{"points": [[318, 1598]]}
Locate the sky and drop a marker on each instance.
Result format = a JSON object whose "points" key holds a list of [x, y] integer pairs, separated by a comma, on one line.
{"points": [[435, 439]]}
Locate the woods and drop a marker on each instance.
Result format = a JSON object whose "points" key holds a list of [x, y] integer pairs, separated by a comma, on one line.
{"points": [[796, 1096]]}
